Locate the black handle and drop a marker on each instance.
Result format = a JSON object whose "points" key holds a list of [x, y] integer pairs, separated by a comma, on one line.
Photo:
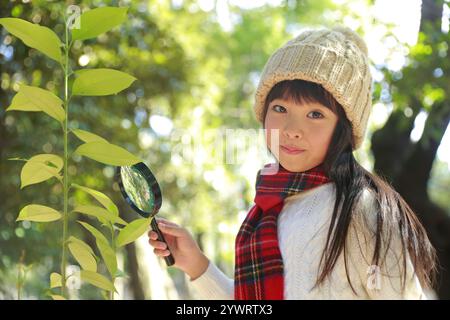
{"points": [[169, 259]]}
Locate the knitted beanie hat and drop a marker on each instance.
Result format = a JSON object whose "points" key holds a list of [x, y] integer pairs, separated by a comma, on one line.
{"points": [[336, 59]]}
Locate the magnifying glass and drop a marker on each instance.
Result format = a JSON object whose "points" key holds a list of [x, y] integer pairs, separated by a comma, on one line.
{"points": [[141, 191]]}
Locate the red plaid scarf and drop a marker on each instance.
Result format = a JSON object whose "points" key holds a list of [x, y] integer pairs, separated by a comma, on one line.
{"points": [[259, 265]]}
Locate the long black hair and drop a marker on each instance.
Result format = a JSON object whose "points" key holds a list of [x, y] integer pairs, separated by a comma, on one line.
{"points": [[394, 216]]}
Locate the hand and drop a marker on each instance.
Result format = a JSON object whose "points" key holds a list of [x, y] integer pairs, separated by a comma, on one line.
{"points": [[187, 254]]}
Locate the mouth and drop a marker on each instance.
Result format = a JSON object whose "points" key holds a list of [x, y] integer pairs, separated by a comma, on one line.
{"points": [[291, 150]]}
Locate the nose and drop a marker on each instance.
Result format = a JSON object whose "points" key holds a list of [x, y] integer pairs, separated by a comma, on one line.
{"points": [[292, 130]]}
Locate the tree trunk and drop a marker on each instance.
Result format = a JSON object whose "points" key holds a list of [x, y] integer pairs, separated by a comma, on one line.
{"points": [[132, 265], [133, 269], [416, 172], [405, 164]]}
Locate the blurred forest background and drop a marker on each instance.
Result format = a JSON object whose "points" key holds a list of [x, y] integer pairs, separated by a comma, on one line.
{"points": [[197, 63]]}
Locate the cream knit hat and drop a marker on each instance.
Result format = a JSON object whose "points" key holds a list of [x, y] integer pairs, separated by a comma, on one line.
{"points": [[336, 59]]}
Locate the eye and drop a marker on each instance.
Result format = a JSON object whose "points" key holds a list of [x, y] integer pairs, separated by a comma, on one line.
{"points": [[317, 113], [275, 106]]}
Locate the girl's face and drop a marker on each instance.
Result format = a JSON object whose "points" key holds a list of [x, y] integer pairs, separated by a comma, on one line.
{"points": [[307, 126]]}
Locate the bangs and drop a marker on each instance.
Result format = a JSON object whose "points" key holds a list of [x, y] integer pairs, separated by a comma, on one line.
{"points": [[301, 92]]}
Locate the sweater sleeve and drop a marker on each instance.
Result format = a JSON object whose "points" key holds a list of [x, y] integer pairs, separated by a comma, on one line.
{"points": [[384, 280], [213, 284]]}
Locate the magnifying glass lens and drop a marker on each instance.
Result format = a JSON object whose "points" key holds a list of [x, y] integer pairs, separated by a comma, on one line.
{"points": [[137, 188], [141, 190]]}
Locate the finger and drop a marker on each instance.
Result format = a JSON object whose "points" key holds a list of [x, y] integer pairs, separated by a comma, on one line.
{"points": [[152, 235], [161, 253], [164, 220], [158, 244], [170, 229]]}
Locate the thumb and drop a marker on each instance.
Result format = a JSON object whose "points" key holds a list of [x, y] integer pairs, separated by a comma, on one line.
{"points": [[171, 229]]}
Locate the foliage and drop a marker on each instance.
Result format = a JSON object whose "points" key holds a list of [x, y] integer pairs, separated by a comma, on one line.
{"points": [[42, 167]]}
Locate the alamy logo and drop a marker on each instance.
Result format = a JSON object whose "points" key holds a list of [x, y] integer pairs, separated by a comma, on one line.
{"points": [[229, 146], [74, 13]]}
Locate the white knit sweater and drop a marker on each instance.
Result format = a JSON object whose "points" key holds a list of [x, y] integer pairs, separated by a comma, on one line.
{"points": [[302, 231]]}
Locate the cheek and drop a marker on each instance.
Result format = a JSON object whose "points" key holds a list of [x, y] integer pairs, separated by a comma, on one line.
{"points": [[268, 124], [322, 137], [269, 121]]}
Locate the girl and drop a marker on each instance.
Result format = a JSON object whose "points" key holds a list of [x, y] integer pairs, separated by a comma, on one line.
{"points": [[322, 226]]}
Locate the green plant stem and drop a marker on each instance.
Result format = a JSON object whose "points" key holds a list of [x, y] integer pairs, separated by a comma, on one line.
{"points": [[19, 282], [66, 177], [20, 277], [113, 244]]}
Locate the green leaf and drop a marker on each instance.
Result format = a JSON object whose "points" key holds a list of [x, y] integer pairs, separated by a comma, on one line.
{"points": [[97, 280], [57, 297], [21, 102], [97, 21], [109, 256], [36, 99], [102, 214], [87, 136], [83, 254], [132, 231], [35, 36], [81, 243], [100, 82], [100, 197], [38, 213], [97, 234], [40, 168], [55, 280], [107, 153]]}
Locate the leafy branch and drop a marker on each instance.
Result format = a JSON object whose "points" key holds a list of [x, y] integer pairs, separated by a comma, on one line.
{"points": [[42, 167]]}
